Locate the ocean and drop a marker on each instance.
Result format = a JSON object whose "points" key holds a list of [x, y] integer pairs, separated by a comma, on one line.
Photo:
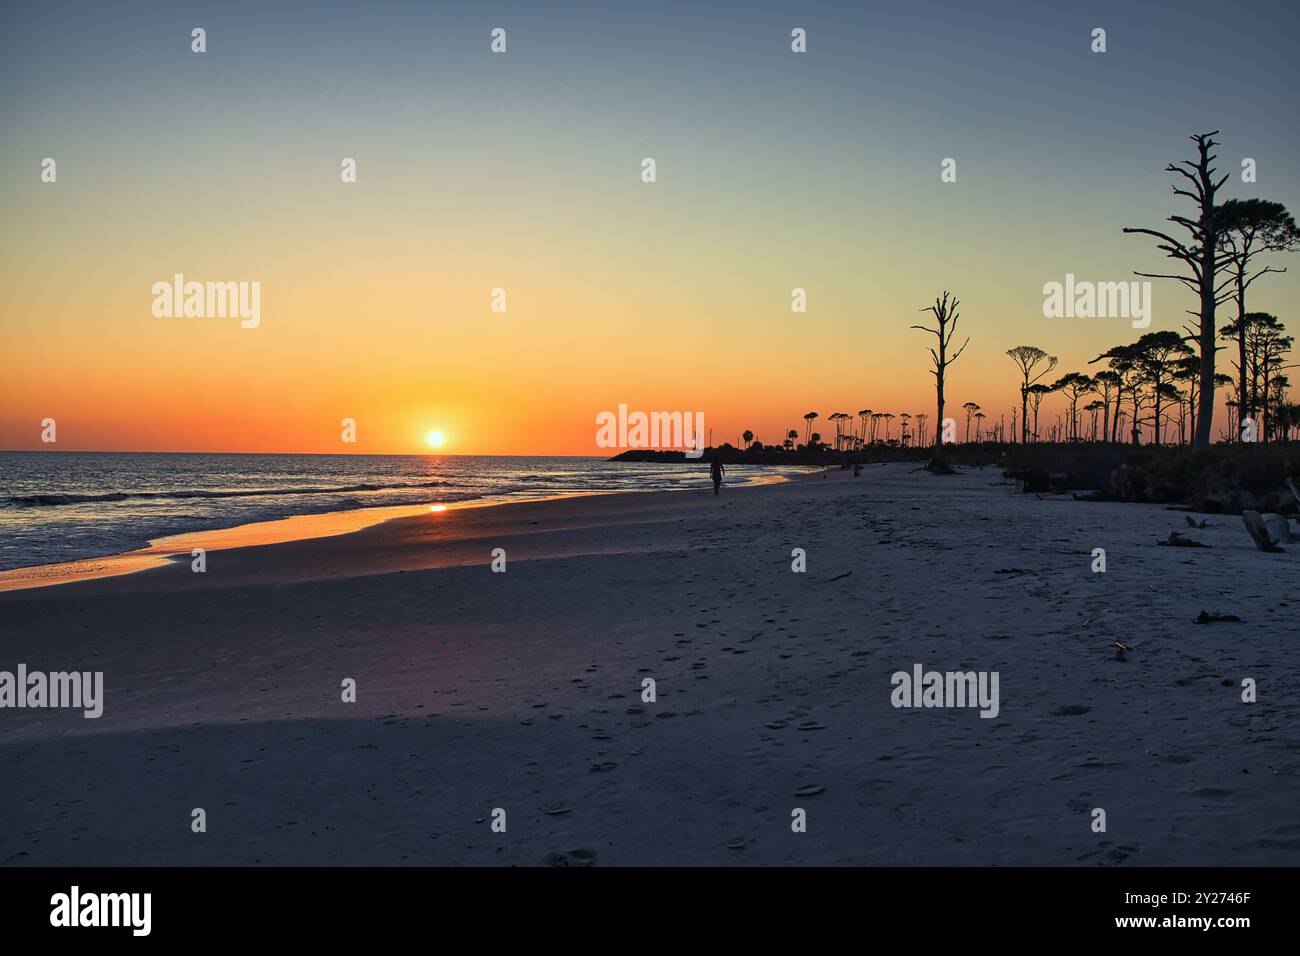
{"points": [[63, 506]]}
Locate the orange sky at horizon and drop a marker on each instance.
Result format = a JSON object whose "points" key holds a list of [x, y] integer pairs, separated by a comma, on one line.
{"points": [[403, 341], [364, 345]]}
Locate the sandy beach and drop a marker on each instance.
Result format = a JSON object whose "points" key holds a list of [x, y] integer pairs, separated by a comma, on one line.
{"points": [[522, 690]]}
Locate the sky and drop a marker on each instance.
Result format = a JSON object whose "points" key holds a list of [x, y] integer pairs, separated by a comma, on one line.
{"points": [[522, 171]]}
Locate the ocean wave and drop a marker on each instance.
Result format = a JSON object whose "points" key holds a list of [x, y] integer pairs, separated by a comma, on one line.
{"points": [[34, 501]]}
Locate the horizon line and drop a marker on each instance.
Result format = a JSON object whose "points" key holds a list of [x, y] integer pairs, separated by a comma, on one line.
{"points": [[322, 454]]}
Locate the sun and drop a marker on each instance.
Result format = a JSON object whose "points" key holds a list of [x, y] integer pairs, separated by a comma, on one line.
{"points": [[435, 439]]}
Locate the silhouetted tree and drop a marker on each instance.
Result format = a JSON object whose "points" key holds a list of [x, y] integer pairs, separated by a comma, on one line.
{"points": [[809, 418], [1202, 256], [1124, 362], [839, 418], [946, 315], [1157, 355], [971, 409], [1092, 408], [1248, 227], [1036, 393], [1188, 371], [1109, 386], [1027, 358], [1267, 346], [1074, 385]]}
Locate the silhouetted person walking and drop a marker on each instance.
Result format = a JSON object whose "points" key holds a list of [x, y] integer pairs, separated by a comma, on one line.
{"points": [[717, 471]]}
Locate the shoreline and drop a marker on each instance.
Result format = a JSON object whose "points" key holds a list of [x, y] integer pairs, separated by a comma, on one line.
{"points": [[160, 552]]}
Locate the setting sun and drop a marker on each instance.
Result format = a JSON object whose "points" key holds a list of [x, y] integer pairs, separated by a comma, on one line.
{"points": [[435, 439]]}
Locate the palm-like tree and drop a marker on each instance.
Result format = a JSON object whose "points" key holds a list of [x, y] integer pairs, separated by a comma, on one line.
{"points": [[1109, 386], [1092, 408], [971, 409], [979, 422], [809, 418], [1075, 385], [838, 418], [1159, 354], [1027, 358], [921, 419], [1125, 362], [1035, 393], [748, 436], [1247, 228]]}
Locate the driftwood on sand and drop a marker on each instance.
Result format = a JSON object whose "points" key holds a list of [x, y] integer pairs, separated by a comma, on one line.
{"points": [[937, 466], [1176, 540], [1205, 617], [1268, 530]]}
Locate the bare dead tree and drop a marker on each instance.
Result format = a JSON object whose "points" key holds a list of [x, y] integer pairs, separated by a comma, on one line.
{"points": [[1202, 256], [946, 315]]}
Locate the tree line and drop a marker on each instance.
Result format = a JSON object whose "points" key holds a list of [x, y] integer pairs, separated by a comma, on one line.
{"points": [[1163, 387]]}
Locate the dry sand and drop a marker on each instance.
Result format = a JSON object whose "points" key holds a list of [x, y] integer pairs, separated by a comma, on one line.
{"points": [[522, 690]]}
